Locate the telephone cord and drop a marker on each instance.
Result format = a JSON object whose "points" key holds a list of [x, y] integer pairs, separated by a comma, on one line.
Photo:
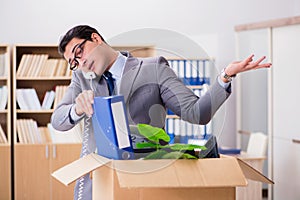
{"points": [[85, 139]]}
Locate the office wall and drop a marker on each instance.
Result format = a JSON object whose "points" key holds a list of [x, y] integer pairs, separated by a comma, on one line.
{"points": [[209, 23]]}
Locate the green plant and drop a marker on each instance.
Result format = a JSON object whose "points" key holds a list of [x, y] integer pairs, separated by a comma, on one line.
{"points": [[156, 136]]}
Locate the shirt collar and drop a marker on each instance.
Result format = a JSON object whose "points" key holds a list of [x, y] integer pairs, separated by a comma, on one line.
{"points": [[118, 67]]}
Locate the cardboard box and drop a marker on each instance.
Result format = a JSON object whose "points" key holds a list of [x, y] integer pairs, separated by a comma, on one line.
{"points": [[214, 178]]}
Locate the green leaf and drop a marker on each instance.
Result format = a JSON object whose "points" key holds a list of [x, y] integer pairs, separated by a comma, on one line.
{"points": [[188, 156], [173, 155], [185, 147], [156, 154], [142, 145], [153, 134]]}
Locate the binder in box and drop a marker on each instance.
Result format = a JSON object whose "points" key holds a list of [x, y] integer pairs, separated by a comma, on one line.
{"points": [[111, 128]]}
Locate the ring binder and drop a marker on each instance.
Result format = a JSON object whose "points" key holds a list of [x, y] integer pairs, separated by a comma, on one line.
{"points": [[111, 128]]}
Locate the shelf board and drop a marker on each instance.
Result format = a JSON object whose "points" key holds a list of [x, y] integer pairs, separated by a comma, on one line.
{"points": [[35, 111], [44, 78], [3, 111], [45, 144], [3, 78]]}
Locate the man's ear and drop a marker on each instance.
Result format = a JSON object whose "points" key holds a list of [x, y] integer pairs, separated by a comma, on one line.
{"points": [[96, 38]]}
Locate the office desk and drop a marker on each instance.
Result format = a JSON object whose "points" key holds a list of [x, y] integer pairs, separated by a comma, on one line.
{"points": [[254, 189]]}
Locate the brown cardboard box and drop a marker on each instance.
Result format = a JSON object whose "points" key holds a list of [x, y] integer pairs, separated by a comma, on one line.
{"points": [[214, 178]]}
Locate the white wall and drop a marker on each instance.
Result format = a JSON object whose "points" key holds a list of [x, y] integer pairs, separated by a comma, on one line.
{"points": [[210, 23]]}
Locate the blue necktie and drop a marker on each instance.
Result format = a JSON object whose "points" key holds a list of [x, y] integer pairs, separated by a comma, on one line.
{"points": [[110, 82]]}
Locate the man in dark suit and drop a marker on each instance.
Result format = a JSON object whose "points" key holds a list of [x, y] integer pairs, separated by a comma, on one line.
{"points": [[149, 86]]}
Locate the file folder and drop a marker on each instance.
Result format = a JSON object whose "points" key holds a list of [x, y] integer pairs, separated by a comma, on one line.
{"points": [[111, 129]]}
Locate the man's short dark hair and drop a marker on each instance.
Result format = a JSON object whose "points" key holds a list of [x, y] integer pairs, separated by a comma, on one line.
{"points": [[81, 32]]}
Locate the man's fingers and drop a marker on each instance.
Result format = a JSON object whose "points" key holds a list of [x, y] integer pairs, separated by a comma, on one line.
{"points": [[265, 65], [260, 60], [249, 59], [85, 101], [246, 65], [89, 97]]}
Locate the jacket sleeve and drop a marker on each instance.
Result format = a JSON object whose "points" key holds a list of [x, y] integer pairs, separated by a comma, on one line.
{"points": [[60, 118], [183, 102]]}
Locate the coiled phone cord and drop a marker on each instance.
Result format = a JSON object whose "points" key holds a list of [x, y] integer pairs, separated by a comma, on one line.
{"points": [[85, 140]]}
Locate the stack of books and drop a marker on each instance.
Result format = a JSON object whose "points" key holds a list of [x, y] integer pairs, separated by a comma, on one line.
{"points": [[73, 135], [3, 139], [40, 65], [60, 90], [28, 132], [3, 68], [192, 71], [184, 132], [48, 100], [3, 97], [27, 99]]}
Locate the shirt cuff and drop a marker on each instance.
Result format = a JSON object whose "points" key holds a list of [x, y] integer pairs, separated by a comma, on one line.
{"points": [[73, 116], [224, 85]]}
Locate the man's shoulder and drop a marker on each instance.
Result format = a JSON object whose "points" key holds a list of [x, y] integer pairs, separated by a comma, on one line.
{"points": [[145, 60], [154, 60]]}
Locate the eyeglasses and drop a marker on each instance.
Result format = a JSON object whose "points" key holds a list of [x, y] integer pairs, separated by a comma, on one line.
{"points": [[78, 52]]}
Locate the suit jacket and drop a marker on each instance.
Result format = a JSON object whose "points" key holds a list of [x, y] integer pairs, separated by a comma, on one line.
{"points": [[149, 86]]}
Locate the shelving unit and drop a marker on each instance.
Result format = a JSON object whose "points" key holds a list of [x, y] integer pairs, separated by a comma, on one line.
{"points": [[137, 50], [34, 163], [5, 121]]}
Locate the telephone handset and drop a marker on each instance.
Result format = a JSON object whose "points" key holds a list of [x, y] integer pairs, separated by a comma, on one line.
{"points": [[89, 75]]}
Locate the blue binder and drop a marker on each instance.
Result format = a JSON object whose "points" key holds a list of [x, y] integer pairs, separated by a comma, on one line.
{"points": [[111, 128]]}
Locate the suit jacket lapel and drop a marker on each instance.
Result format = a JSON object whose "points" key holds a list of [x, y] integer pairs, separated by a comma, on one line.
{"points": [[131, 70]]}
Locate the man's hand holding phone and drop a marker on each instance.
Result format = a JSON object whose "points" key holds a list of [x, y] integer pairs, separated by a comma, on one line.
{"points": [[83, 103]]}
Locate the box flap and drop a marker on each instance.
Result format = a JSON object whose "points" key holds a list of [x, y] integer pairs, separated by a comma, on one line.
{"points": [[71, 172], [253, 174], [223, 172]]}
